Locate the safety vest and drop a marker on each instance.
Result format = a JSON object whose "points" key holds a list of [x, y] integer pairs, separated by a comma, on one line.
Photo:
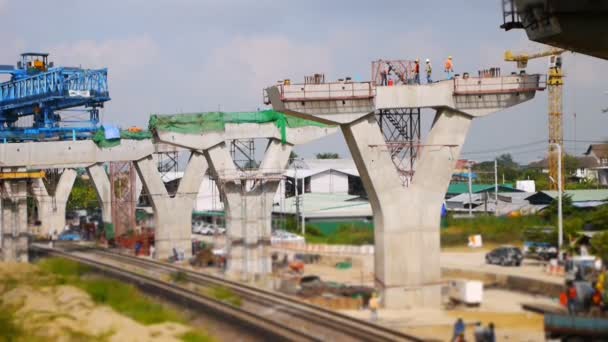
{"points": [[429, 68], [373, 303], [448, 65]]}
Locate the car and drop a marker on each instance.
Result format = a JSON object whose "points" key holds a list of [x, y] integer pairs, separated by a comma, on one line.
{"points": [[207, 230], [220, 230], [196, 227], [541, 250], [505, 256]]}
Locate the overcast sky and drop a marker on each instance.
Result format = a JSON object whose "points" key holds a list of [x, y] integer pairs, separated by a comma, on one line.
{"points": [[196, 55]]}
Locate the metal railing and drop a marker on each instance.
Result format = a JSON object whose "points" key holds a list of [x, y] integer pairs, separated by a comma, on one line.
{"points": [[348, 91], [499, 85]]}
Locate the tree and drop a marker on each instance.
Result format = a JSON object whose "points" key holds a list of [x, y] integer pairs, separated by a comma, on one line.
{"points": [[83, 195], [327, 155], [599, 244]]}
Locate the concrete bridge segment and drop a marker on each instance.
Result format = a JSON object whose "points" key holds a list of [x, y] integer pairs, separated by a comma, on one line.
{"points": [[406, 220]]}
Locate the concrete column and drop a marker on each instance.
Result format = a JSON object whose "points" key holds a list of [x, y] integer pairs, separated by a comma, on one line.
{"points": [[248, 199], [101, 182], [14, 221], [407, 221], [173, 216], [52, 207]]}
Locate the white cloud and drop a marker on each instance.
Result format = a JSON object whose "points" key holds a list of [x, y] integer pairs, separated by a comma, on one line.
{"points": [[121, 56], [238, 70]]}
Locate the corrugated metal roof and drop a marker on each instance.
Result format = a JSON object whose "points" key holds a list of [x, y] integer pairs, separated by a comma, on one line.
{"points": [[461, 188], [327, 205], [582, 195]]}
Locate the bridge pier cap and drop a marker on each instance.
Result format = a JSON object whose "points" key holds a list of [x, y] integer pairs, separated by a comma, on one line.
{"points": [[406, 219], [345, 102]]}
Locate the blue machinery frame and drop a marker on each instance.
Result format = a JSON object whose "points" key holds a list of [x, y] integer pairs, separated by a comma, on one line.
{"points": [[42, 92]]}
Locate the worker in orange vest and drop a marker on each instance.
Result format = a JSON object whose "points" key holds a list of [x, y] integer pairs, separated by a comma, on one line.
{"points": [[449, 67]]}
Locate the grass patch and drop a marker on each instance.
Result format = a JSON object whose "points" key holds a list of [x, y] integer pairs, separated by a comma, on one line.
{"points": [[347, 234], [195, 336], [499, 230], [179, 277], [124, 298], [9, 331], [225, 295]]}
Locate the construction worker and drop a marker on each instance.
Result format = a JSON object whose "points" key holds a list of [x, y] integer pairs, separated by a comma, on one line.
{"points": [[429, 71], [374, 304], [417, 71], [449, 67]]}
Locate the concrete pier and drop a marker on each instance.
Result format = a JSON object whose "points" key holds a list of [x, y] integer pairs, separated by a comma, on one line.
{"points": [[248, 202], [52, 206], [173, 215], [14, 220], [101, 182], [248, 195], [406, 220]]}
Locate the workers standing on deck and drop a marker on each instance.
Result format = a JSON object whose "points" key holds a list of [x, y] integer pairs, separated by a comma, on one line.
{"points": [[449, 67], [429, 69], [417, 71]]}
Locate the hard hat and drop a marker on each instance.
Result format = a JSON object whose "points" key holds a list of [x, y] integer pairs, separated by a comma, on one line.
{"points": [[417, 60], [428, 60], [449, 57]]}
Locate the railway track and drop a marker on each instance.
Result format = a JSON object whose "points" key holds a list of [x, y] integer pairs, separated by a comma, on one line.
{"points": [[278, 314]]}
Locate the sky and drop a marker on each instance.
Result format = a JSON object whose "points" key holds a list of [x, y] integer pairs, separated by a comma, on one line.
{"points": [[177, 56]]}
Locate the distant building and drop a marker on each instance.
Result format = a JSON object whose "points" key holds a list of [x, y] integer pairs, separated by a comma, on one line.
{"points": [[457, 188], [599, 152], [580, 198], [486, 202]]}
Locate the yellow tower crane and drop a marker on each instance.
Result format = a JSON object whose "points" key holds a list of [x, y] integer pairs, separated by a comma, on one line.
{"points": [[555, 82]]}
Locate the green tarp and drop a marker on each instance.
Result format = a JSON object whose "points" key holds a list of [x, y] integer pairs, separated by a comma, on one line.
{"points": [[100, 138], [197, 123]]}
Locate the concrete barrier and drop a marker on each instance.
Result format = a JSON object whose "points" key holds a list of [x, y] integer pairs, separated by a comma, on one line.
{"points": [[509, 282]]}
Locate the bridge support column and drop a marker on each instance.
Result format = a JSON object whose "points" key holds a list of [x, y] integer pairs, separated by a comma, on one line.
{"points": [[248, 203], [101, 181], [173, 215], [52, 207], [407, 220], [14, 221]]}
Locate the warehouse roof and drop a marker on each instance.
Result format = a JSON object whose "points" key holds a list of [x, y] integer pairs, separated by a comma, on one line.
{"points": [[315, 205]]}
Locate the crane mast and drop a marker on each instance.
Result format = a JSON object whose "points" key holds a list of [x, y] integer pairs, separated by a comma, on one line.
{"points": [[555, 83]]}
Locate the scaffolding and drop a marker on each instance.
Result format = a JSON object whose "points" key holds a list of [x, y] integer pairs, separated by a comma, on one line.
{"points": [[123, 196], [401, 71], [168, 165], [510, 16], [401, 130], [243, 153]]}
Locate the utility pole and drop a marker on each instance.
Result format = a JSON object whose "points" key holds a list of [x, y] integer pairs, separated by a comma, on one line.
{"points": [[495, 187], [470, 191]]}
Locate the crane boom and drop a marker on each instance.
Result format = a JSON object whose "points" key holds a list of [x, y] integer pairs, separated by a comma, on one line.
{"points": [[523, 58]]}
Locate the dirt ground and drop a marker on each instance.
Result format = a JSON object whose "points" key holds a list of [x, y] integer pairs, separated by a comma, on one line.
{"points": [[66, 313], [501, 307]]}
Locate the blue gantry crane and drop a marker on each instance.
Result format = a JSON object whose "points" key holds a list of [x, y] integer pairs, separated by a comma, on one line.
{"points": [[40, 90]]}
